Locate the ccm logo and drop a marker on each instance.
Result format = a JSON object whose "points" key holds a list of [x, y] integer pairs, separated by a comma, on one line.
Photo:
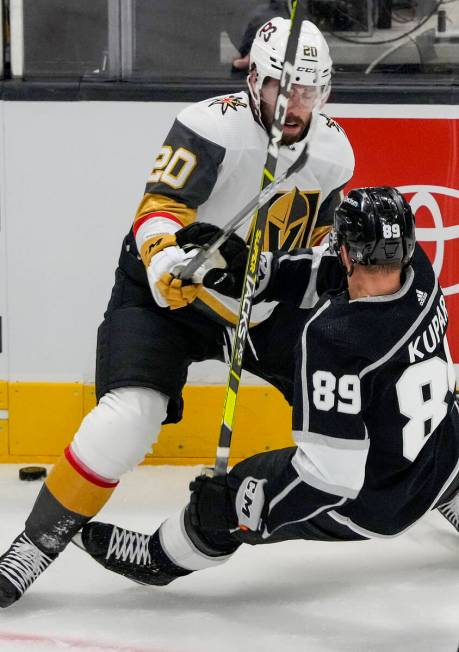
{"points": [[247, 499]]}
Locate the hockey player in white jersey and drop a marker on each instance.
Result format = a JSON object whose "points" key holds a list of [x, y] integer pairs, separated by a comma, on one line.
{"points": [[375, 419], [207, 169]]}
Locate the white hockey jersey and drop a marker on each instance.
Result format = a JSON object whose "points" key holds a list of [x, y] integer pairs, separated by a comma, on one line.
{"points": [[210, 166]]}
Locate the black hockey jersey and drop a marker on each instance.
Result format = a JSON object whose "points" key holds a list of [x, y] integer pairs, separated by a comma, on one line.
{"points": [[374, 416]]}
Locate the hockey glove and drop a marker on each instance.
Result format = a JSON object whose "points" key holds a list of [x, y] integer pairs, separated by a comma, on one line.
{"points": [[165, 265], [176, 293], [166, 257], [224, 503], [172, 254], [225, 278]]}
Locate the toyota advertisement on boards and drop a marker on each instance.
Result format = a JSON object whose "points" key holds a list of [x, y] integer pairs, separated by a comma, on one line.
{"points": [[417, 150]]}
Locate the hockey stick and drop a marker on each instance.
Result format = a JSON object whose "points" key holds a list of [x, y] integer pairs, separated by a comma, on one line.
{"points": [[241, 217], [253, 260]]}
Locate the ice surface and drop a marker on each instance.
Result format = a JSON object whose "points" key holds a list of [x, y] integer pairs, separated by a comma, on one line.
{"points": [[390, 595]]}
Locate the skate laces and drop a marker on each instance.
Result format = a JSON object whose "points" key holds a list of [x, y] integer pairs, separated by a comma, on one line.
{"points": [[126, 545], [23, 563], [450, 510]]}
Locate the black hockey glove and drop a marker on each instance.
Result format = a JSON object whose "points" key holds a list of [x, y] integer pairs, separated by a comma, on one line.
{"points": [[212, 503], [234, 250], [225, 503]]}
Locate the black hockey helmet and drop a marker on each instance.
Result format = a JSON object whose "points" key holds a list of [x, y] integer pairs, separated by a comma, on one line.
{"points": [[376, 224]]}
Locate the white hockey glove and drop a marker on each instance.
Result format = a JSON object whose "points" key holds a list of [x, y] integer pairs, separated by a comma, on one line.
{"points": [[224, 271], [161, 265], [170, 258]]}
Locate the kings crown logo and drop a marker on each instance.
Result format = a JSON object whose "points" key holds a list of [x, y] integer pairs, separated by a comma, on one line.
{"points": [[229, 102]]}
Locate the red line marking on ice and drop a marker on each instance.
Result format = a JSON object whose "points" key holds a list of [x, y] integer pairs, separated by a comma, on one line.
{"points": [[81, 644]]}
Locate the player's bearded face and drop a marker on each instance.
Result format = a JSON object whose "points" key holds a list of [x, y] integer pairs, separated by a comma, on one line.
{"points": [[302, 101]]}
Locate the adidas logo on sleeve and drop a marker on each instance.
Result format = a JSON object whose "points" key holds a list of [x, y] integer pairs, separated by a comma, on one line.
{"points": [[422, 296]]}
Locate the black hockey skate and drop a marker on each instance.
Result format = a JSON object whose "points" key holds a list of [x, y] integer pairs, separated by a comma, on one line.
{"points": [[20, 566], [139, 557], [450, 510]]}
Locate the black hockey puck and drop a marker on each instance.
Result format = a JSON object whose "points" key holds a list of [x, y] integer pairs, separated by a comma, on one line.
{"points": [[32, 473]]}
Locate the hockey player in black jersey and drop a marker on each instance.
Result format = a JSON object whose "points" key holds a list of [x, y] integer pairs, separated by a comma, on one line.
{"points": [[207, 169], [375, 419]]}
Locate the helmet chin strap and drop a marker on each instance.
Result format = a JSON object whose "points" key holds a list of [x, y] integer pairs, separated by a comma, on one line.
{"points": [[256, 101], [348, 270]]}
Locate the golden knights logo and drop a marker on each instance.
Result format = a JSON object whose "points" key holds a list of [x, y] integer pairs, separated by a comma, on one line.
{"points": [[229, 102], [291, 219]]}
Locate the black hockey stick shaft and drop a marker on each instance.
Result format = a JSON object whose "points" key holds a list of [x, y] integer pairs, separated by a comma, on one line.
{"points": [[242, 216], [256, 243]]}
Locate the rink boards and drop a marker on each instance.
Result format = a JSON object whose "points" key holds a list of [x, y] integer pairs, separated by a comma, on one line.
{"points": [[72, 174]]}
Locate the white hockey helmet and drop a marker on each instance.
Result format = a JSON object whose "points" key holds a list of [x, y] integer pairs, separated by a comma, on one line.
{"points": [[313, 64]]}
